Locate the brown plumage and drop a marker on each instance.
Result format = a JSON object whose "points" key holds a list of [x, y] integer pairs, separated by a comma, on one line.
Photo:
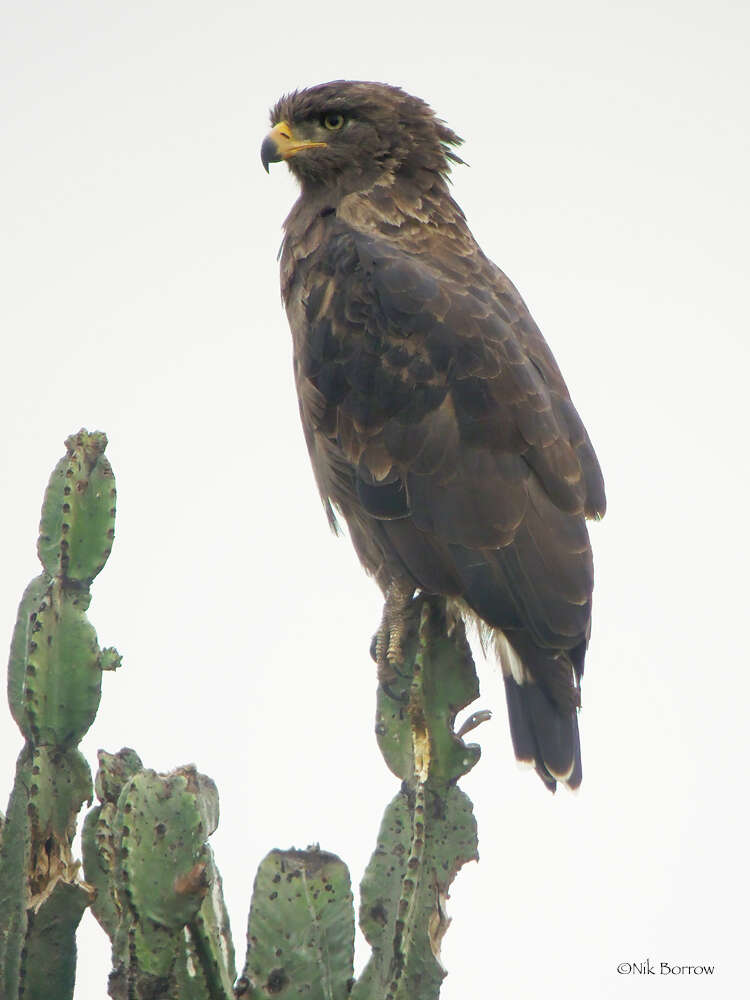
{"points": [[438, 423]]}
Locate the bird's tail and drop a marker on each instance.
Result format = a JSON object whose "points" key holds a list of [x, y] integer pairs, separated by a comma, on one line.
{"points": [[544, 728]]}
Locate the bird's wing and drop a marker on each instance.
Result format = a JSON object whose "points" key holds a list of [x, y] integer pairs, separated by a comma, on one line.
{"points": [[449, 410]]}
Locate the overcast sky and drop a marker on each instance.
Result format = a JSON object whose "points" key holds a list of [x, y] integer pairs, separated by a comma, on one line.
{"points": [[608, 151]]}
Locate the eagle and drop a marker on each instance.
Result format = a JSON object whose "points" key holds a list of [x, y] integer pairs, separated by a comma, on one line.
{"points": [[438, 423]]}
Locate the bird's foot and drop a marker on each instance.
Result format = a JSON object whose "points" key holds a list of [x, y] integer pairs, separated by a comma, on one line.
{"points": [[389, 638]]}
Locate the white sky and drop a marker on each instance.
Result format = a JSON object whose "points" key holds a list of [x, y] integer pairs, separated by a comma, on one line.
{"points": [[609, 148]]}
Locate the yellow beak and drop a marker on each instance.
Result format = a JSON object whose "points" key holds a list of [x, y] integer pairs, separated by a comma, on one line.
{"points": [[281, 143]]}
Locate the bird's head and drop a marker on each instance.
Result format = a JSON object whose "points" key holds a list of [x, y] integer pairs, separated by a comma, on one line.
{"points": [[343, 135]]}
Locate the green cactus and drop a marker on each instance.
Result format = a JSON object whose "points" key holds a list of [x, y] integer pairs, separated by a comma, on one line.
{"points": [[150, 876], [54, 687], [97, 841], [78, 515], [19, 650], [158, 891], [428, 830], [41, 895], [301, 928], [301, 923]]}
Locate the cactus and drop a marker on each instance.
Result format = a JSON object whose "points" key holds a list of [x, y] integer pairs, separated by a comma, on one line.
{"points": [[427, 833], [145, 851], [301, 929], [428, 830], [115, 770], [78, 516], [150, 876], [54, 687]]}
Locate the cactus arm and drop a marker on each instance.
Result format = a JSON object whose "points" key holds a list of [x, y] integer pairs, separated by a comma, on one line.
{"points": [[97, 840], [212, 940], [50, 961], [301, 928], [78, 516], [428, 830], [159, 893]]}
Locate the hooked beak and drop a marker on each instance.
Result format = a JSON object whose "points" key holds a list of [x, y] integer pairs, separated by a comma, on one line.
{"points": [[281, 143]]}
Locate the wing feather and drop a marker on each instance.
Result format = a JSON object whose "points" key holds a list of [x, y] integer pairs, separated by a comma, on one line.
{"points": [[461, 462], [448, 385]]}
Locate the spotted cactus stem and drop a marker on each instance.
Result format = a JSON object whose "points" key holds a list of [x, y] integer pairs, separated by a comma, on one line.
{"points": [[54, 686], [428, 831], [159, 894]]}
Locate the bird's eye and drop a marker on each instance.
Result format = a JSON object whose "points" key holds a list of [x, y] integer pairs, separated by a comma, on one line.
{"points": [[332, 120]]}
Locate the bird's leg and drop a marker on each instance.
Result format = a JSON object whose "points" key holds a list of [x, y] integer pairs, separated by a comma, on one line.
{"points": [[390, 635]]}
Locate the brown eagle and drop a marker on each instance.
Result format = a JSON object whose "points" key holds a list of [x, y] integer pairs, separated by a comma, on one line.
{"points": [[438, 423]]}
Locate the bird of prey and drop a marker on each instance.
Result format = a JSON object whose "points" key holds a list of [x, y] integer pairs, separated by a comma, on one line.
{"points": [[437, 421]]}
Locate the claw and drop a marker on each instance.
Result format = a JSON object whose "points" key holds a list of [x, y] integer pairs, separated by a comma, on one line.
{"points": [[474, 720], [401, 696]]}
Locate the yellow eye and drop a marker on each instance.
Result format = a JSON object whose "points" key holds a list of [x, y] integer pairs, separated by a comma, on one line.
{"points": [[333, 120]]}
